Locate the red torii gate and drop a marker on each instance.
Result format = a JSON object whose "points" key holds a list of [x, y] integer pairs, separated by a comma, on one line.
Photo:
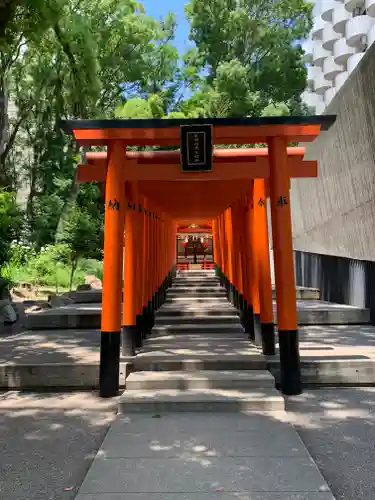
{"points": [[153, 194]]}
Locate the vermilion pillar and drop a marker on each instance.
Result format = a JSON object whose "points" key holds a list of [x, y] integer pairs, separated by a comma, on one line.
{"points": [[146, 297], [264, 269], [112, 271], [228, 234], [129, 319], [284, 267], [251, 276], [140, 268]]}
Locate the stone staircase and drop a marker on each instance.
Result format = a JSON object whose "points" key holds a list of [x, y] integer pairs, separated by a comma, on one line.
{"points": [[198, 357]]}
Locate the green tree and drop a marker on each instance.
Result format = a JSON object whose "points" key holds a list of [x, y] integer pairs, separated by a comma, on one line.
{"points": [[249, 53], [80, 238]]}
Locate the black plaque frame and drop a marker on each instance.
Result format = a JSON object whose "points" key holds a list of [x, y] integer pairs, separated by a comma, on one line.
{"points": [[196, 148]]}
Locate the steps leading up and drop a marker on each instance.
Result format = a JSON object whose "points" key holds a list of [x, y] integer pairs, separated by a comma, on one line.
{"points": [[198, 358]]}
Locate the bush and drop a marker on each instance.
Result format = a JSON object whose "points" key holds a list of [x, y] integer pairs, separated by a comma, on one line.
{"points": [[50, 267], [10, 224]]}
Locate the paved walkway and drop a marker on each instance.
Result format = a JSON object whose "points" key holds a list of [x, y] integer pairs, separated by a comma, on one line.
{"points": [[201, 422], [77, 345], [203, 456], [336, 425]]}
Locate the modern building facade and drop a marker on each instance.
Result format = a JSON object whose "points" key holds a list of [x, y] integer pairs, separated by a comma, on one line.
{"points": [[342, 33], [334, 215]]}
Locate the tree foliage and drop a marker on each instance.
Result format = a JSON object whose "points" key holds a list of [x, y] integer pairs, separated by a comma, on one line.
{"points": [[62, 59]]}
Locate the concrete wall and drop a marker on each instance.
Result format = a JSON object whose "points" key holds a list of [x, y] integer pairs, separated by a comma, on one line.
{"points": [[335, 214]]}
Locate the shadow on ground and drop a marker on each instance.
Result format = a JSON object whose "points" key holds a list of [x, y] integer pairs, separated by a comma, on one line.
{"points": [[338, 428], [48, 442]]}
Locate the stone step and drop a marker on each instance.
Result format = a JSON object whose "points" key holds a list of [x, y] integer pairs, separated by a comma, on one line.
{"points": [[165, 337], [170, 361], [201, 329], [212, 292], [191, 311], [221, 346], [198, 284], [164, 401], [193, 299], [204, 379], [201, 319]]}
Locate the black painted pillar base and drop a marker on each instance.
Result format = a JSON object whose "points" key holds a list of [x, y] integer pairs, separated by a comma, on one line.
{"points": [[258, 334], [241, 307], [139, 329], [290, 365], [128, 340], [151, 315], [231, 293], [109, 371], [146, 322], [249, 324], [155, 301], [268, 338]]}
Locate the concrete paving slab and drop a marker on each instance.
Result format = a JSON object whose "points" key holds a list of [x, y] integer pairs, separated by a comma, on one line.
{"points": [[230, 474], [161, 442], [203, 379], [245, 495]]}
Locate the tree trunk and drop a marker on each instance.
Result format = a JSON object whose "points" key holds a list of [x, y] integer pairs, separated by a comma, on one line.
{"points": [[3, 128], [68, 205], [66, 210], [74, 267]]}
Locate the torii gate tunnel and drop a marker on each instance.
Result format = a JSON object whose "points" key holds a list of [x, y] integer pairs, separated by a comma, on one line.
{"points": [[148, 195]]}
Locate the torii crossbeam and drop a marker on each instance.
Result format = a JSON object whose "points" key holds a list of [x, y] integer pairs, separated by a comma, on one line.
{"points": [[149, 193]]}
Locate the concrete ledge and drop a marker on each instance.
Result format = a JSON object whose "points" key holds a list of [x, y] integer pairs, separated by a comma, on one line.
{"points": [[65, 318], [54, 375], [85, 296], [349, 372], [303, 293]]}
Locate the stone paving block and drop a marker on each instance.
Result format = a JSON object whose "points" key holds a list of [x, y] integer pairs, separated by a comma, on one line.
{"points": [[150, 475], [223, 379], [220, 400], [169, 362], [219, 494], [193, 444]]}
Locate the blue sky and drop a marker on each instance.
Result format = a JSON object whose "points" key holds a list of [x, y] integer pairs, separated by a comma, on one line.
{"points": [[159, 8]]}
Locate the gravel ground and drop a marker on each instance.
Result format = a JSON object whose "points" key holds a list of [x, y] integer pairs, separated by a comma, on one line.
{"points": [[338, 428], [48, 442]]}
